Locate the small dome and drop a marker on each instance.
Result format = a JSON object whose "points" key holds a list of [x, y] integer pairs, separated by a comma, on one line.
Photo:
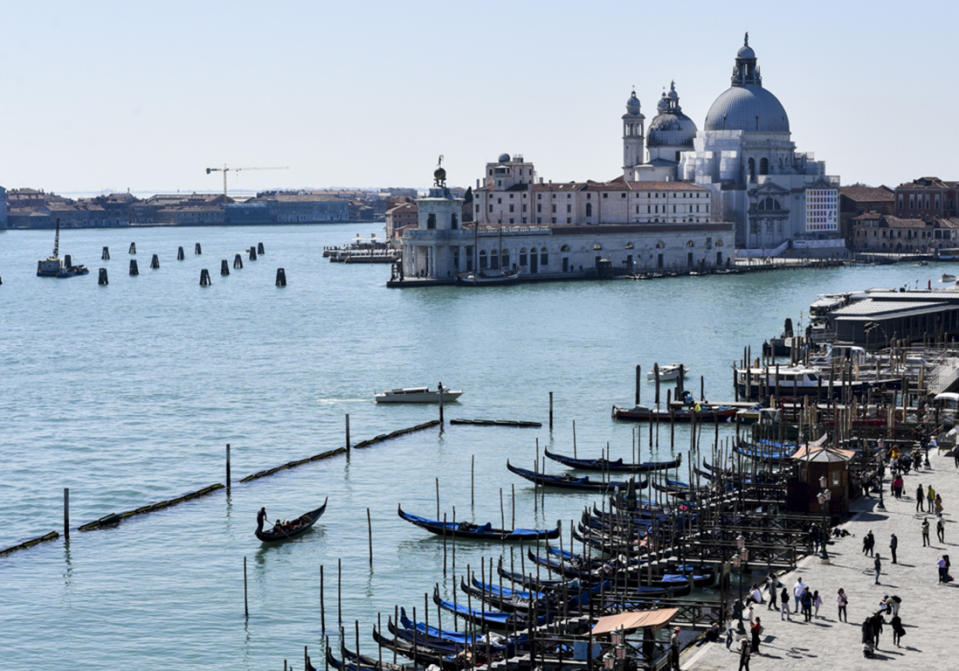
{"points": [[632, 105], [747, 108], [663, 104], [671, 129], [503, 158], [746, 51]]}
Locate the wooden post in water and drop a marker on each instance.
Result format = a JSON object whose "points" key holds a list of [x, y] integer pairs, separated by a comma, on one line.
{"points": [[179, 254], [551, 411], [322, 606], [574, 440], [105, 254], [227, 469], [472, 480], [639, 379], [702, 388], [224, 267], [369, 531], [66, 514], [441, 406], [246, 603], [347, 436], [437, 498], [502, 510], [513, 487], [444, 545], [339, 592]]}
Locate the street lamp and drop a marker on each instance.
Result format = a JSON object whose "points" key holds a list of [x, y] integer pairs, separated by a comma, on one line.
{"points": [[823, 497], [739, 561]]}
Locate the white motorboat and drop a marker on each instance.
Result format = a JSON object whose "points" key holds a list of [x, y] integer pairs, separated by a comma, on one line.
{"points": [[668, 372], [417, 395]]}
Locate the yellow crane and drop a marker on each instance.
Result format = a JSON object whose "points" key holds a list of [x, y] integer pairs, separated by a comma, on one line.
{"points": [[225, 169]]}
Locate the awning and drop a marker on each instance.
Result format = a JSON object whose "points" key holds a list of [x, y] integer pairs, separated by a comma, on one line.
{"points": [[822, 454], [634, 620]]}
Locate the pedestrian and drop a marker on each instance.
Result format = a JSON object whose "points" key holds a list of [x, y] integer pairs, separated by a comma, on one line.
{"points": [[920, 497], [942, 568], [877, 623], [938, 505], [842, 601], [806, 600], [674, 649], [955, 457], [771, 590], [941, 530], [925, 532], [744, 653], [930, 498], [898, 631], [877, 565], [755, 629], [816, 603], [871, 543], [814, 536], [729, 633], [893, 544], [797, 592], [784, 604]]}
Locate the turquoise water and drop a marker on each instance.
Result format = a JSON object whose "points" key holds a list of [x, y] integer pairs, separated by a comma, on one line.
{"points": [[128, 393]]}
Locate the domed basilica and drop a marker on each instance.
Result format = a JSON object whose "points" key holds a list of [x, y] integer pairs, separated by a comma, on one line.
{"points": [[777, 197]]}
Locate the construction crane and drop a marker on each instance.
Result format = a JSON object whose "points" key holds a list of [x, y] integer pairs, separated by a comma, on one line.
{"points": [[225, 169]]}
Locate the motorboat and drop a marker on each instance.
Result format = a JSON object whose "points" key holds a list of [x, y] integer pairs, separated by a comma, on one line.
{"points": [[668, 372], [947, 277], [417, 395], [487, 278]]}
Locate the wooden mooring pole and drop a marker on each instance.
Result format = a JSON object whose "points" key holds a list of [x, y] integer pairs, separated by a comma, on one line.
{"points": [[66, 514], [347, 436], [550, 411], [369, 531], [246, 603], [227, 469]]}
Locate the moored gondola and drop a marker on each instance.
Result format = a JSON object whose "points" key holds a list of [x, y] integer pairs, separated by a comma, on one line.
{"points": [[468, 530], [567, 481], [490, 618], [299, 526], [614, 466], [685, 414], [420, 655]]}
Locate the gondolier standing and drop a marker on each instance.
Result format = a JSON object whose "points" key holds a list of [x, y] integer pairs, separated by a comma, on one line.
{"points": [[261, 517]]}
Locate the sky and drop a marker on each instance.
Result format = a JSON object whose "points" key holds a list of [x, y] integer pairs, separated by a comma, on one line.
{"points": [[100, 96]]}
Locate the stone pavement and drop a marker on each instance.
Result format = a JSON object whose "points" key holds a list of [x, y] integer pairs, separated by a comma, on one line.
{"points": [[928, 611]]}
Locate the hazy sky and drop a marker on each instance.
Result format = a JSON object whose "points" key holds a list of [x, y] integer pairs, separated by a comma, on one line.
{"points": [[99, 95]]}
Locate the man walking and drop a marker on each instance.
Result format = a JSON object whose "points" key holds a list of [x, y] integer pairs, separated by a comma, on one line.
{"points": [[877, 565], [744, 653], [893, 544], [925, 532], [771, 588], [930, 498], [941, 530], [798, 589], [674, 649], [920, 497]]}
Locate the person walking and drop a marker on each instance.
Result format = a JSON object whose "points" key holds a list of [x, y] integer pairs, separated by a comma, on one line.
{"points": [[898, 631], [930, 498], [744, 652], [806, 600], [870, 543], [877, 623], [755, 629], [674, 649], [920, 498], [941, 530], [942, 568], [893, 544], [955, 457], [729, 632], [938, 505], [816, 603], [842, 601], [797, 592], [784, 604], [925, 531], [877, 565], [771, 589]]}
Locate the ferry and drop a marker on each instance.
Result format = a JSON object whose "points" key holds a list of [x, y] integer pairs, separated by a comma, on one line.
{"points": [[54, 266], [794, 381], [417, 395]]}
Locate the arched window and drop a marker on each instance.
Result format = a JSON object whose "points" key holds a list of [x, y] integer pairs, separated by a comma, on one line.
{"points": [[764, 166], [752, 170], [660, 245], [522, 256], [504, 258], [483, 261], [564, 248], [690, 243], [589, 209], [543, 257]]}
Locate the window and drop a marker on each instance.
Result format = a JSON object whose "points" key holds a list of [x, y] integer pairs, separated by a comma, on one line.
{"points": [[539, 207], [554, 209], [690, 243], [454, 221], [764, 166], [504, 258], [431, 221], [511, 206], [569, 208], [564, 248], [589, 209], [605, 194], [482, 260], [543, 257], [522, 256]]}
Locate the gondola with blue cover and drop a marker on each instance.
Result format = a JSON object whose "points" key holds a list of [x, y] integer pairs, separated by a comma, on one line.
{"points": [[489, 618], [468, 530], [567, 481]]}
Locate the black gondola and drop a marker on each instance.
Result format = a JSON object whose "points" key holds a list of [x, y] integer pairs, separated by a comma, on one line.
{"points": [[567, 481], [295, 528], [420, 655], [353, 662], [615, 466], [468, 530]]}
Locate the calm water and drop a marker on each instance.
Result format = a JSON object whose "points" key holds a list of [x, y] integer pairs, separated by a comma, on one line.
{"points": [[127, 394]]}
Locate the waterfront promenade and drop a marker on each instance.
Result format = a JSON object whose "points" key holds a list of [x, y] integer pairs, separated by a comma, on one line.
{"points": [[928, 608]]}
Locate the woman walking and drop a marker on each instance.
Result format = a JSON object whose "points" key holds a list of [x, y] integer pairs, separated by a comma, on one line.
{"points": [[784, 605], [898, 631], [756, 629], [842, 601], [816, 603]]}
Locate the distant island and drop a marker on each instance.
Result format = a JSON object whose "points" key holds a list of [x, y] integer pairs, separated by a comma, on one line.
{"points": [[27, 208]]}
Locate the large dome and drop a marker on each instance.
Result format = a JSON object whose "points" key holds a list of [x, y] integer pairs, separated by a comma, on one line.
{"points": [[749, 108]]}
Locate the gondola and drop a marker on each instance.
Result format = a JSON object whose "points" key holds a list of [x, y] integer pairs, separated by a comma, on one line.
{"points": [[567, 481], [685, 414], [528, 581], [489, 618], [420, 655], [615, 466], [297, 527], [354, 662], [468, 530], [505, 600]]}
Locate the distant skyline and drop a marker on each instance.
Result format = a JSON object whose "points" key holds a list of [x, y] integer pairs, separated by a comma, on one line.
{"points": [[109, 95]]}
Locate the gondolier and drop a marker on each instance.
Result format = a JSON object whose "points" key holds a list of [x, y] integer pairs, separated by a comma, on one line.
{"points": [[261, 517]]}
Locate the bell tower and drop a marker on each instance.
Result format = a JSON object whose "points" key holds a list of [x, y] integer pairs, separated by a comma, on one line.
{"points": [[632, 136]]}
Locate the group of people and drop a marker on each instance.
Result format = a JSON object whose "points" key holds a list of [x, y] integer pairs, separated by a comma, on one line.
{"points": [[283, 526], [928, 501], [873, 624]]}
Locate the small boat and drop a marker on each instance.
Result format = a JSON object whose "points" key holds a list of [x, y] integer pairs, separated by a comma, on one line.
{"points": [[616, 466], [417, 395], [468, 530], [422, 655], [684, 414], [490, 618], [487, 279], [299, 526], [947, 277], [668, 372], [54, 266], [567, 481], [355, 662]]}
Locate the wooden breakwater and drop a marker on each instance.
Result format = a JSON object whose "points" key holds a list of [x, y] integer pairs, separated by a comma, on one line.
{"points": [[341, 450], [53, 535], [498, 422], [115, 518]]}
